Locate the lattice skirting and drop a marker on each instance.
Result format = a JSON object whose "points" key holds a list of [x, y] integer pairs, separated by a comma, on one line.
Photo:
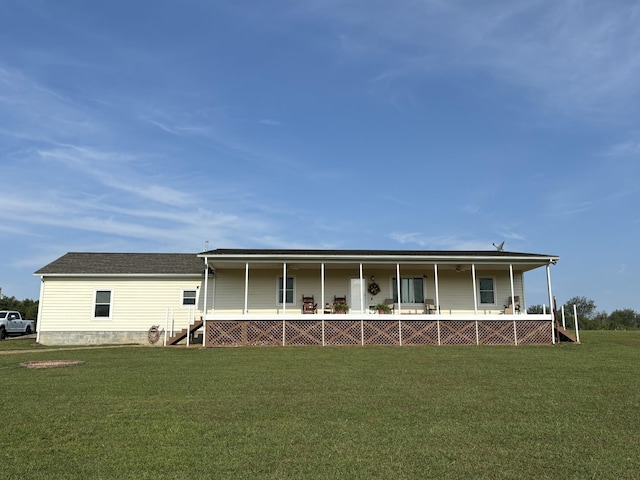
{"points": [[223, 333]]}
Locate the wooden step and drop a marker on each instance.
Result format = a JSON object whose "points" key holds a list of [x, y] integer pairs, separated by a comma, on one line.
{"points": [[183, 333], [565, 336]]}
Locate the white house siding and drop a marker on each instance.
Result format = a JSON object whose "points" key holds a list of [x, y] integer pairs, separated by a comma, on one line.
{"points": [[67, 315]]}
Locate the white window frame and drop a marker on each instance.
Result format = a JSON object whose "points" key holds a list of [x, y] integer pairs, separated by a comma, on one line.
{"points": [[95, 304], [495, 291], [284, 297], [393, 284], [195, 297]]}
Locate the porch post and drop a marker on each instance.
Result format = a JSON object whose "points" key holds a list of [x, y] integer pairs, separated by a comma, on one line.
{"points": [[284, 301], [513, 299], [475, 293], [361, 291], [435, 278], [398, 285], [553, 333], [322, 287], [246, 288], [322, 298], [284, 287], [204, 303], [513, 305]]}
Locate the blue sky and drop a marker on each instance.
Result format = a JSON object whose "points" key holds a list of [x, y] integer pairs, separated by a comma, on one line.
{"points": [[156, 126]]}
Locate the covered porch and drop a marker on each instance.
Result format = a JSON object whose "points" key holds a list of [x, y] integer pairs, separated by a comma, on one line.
{"points": [[288, 297]]}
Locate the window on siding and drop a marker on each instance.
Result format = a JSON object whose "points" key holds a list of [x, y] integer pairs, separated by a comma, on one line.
{"points": [[103, 304], [289, 291], [189, 297], [411, 290], [486, 288]]}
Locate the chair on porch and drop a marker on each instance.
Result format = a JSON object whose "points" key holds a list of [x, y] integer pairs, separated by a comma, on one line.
{"points": [[340, 302], [430, 306], [512, 306], [308, 304], [389, 303]]}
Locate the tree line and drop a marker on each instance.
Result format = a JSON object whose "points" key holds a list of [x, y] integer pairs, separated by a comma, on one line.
{"points": [[590, 318], [28, 308]]}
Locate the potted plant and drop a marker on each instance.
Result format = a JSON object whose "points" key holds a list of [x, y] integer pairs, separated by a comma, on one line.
{"points": [[340, 307], [383, 308]]}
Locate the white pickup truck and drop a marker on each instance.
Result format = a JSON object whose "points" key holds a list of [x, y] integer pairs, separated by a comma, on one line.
{"points": [[11, 323]]}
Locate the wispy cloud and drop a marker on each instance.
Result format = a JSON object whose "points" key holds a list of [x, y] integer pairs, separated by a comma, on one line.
{"points": [[573, 56], [428, 242], [270, 122]]}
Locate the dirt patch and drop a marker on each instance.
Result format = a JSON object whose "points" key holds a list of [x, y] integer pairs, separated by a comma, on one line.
{"points": [[51, 363]]}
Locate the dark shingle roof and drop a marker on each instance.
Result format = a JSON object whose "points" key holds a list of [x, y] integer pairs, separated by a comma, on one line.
{"points": [[364, 253], [124, 263]]}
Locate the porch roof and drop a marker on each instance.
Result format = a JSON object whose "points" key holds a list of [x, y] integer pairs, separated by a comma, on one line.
{"points": [[233, 258]]}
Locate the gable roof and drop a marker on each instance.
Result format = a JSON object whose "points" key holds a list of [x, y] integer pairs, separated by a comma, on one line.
{"points": [[86, 263]]}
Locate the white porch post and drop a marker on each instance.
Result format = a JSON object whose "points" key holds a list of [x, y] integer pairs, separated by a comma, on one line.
{"points": [[398, 285], [553, 333], [575, 319], [361, 292], [204, 302], [322, 298], [246, 288], [475, 293], [435, 278], [513, 305], [284, 301], [322, 287], [513, 298]]}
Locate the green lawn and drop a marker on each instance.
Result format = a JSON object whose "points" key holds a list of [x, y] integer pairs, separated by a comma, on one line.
{"points": [[571, 411]]}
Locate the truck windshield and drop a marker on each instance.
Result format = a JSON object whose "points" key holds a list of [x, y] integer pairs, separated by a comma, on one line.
{"points": [[3, 314]]}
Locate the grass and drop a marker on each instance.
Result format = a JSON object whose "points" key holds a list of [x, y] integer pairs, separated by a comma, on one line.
{"points": [[563, 412]]}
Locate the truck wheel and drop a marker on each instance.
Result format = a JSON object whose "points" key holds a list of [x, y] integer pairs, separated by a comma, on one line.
{"points": [[27, 331], [3, 334]]}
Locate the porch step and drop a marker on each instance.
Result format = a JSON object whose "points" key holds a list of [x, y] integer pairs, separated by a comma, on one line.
{"points": [[183, 333], [565, 336]]}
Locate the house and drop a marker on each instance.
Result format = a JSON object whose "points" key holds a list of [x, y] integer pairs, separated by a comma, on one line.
{"points": [[294, 297]]}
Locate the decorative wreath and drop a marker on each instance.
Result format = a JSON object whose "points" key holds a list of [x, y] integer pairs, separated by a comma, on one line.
{"points": [[374, 288]]}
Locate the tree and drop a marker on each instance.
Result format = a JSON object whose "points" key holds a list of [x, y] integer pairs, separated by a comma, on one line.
{"points": [[535, 309], [623, 319], [28, 308], [585, 307]]}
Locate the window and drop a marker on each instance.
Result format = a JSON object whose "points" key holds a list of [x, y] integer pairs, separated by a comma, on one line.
{"points": [[189, 297], [290, 294], [486, 288], [103, 304], [411, 290]]}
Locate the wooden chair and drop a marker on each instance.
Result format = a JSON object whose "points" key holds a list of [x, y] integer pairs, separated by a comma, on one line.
{"points": [[430, 306], [512, 306], [339, 300], [308, 304]]}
